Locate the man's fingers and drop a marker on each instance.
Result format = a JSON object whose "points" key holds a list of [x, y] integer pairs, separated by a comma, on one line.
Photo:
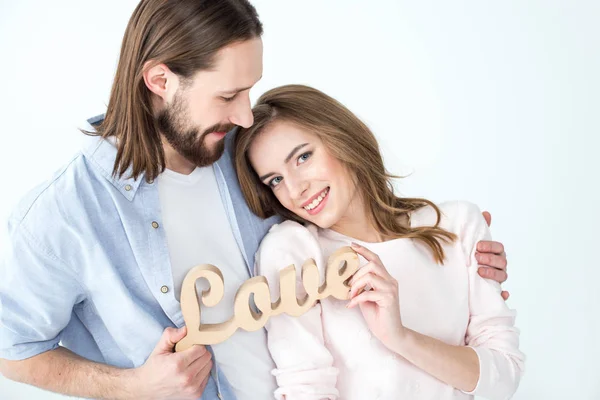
{"points": [[505, 295], [168, 339], [488, 217], [492, 260], [493, 274], [203, 364], [489, 246], [204, 382], [193, 354], [202, 376]]}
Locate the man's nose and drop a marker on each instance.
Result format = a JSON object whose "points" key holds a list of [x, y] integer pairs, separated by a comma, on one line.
{"points": [[242, 114]]}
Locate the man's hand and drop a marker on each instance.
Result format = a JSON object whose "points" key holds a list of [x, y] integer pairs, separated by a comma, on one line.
{"points": [[492, 258], [169, 375]]}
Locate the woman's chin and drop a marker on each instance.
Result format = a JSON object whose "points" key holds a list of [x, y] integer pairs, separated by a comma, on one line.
{"points": [[321, 221]]}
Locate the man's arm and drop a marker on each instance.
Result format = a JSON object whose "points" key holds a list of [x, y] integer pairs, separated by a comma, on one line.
{"points": [[165, 374], [63, 371], [33, 314]]}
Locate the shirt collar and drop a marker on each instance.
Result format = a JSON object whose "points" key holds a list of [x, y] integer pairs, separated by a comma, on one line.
{"points": [[102, 155]]}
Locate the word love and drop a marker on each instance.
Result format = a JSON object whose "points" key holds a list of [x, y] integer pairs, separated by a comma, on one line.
{"points": [[340, 267]]}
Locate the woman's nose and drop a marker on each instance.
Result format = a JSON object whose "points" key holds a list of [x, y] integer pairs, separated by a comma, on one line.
{"points": [[297, 188]]}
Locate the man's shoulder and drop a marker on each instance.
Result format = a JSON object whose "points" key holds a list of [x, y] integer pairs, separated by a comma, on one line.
{"points": [[69, 187], [96, 121], [47, 201]]}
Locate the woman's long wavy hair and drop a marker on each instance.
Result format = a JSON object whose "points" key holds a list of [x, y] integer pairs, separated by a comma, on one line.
{"points": [[185, 35], [350, 141]]}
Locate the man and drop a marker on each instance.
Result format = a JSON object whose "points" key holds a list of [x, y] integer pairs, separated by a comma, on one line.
{"points": [[98, 254]]}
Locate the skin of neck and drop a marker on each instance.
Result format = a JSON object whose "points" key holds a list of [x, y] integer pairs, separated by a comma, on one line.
{"points": [[357, 224]]}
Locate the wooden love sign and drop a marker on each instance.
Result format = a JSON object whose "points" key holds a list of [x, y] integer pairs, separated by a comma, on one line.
{"points": [[340, 267]]}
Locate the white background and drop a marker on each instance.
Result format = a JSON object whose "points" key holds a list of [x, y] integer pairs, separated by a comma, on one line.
{"points": [[493, 102]]}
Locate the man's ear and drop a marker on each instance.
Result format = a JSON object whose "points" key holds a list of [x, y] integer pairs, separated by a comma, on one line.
{"points": [[160, 80]]}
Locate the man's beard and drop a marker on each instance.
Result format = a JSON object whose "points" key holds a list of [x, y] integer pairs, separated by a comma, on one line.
{"points": [[173, 123]]}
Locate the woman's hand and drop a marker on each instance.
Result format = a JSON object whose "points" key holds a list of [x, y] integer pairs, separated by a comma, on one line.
{"points": [[376, 292]]}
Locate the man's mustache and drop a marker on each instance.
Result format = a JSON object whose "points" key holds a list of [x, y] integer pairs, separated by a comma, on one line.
{"points": [[219, 128]]}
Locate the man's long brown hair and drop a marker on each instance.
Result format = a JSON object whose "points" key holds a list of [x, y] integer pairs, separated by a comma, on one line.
{"points": [[350, 141], [185, 35]]}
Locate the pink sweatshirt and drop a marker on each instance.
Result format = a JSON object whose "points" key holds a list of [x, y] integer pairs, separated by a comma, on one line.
{"points": [[329, 353]]}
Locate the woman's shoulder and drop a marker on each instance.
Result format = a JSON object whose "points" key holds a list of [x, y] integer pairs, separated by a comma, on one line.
{"points": [[454, 215], [288, 231], [289, 240], [462, 218]]}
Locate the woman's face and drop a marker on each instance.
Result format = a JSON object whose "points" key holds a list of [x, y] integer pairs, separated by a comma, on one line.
{"points": [[304, 177]]}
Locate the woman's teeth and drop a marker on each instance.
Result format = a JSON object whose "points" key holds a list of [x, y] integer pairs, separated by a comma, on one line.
{"points": [[317, 201]]}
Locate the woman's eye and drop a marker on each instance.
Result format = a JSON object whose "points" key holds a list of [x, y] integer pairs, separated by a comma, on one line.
{"points": [[275, 181], [304, 157]]}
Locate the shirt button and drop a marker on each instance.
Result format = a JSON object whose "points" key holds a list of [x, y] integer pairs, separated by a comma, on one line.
{"points": [[128, 187], [164, 289], [155, 224]]}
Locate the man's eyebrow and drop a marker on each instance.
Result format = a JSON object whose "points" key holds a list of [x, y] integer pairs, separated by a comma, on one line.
{"points": [[237, 90]]}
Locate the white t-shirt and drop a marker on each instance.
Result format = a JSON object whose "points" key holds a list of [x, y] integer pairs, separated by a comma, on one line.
{"points": [[198, 232]]}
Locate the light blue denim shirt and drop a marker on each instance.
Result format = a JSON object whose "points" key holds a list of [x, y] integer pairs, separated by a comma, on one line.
{"points": [[88, 264]]}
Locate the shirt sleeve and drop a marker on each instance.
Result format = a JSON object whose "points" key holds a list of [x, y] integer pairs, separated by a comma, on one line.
{"points": [[491, 331], [37, 295], [304, 364]]}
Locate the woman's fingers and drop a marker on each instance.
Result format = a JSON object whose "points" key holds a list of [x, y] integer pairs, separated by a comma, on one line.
{"points": [[366, 253], [374, 281], [364, 297], [370, 268]]}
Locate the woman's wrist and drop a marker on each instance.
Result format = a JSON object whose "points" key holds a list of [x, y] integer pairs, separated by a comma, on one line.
{"points": [[400, 341]]}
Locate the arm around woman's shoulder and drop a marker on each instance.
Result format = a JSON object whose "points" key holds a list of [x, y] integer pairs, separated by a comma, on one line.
{"points": [[491, 331], [304, 364]]}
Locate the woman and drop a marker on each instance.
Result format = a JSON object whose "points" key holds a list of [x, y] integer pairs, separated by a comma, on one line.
{"points": [[420, 322]]}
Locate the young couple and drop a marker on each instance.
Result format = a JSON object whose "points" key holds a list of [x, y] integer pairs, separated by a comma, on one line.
{"points": [[89, 289]]}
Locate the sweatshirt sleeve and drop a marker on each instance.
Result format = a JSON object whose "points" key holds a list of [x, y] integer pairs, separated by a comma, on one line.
{"points": [[304, 365], [491, 331]]}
